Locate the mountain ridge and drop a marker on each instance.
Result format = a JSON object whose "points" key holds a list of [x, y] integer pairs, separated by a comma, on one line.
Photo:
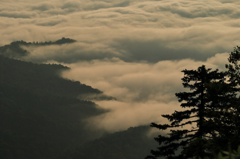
{"points": [[15, 51], [43, 116]]}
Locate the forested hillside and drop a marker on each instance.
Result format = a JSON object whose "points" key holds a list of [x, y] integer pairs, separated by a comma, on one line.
{"points": [[41, 116]]}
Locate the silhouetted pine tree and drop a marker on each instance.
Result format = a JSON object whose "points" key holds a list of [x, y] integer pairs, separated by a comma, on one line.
{"points": [[226, 102], [230, 131], [219, 115], [193, 142]]}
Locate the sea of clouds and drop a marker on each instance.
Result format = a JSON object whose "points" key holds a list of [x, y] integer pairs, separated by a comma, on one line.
{"points": [[133, 50]]}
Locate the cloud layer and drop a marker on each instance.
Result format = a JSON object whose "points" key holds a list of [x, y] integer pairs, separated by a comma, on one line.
{"points": [[131, 49], [144, 91], [136, 30]]}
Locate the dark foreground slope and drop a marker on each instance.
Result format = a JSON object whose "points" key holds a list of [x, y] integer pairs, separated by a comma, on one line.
{"points": [[129, 144], [41, 117]]}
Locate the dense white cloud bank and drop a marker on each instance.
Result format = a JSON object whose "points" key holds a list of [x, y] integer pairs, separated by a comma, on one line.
{"points": [[144, 91]]}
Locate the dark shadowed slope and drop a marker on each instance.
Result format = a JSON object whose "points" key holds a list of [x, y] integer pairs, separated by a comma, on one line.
{"points": [[129, 144], [40, 116]]}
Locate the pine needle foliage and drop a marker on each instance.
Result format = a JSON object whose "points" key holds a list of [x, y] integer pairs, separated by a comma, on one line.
{"points": [[197, 111], [231, 117]]}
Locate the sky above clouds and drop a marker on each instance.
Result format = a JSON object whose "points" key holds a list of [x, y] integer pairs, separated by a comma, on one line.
{"points": [[131, 49]]}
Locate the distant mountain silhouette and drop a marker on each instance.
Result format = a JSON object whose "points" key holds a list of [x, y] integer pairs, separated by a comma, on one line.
{"points": [[64, 41], [14, 50]]}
